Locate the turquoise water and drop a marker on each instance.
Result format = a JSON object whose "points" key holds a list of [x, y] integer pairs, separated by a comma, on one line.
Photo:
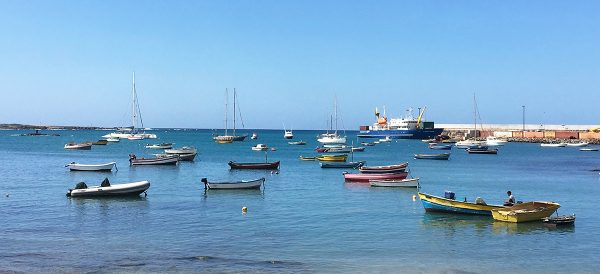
{"points": [[305, 220]]}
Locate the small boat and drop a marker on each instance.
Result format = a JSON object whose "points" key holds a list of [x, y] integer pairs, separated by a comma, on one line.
{"points": [[244, 184], [440, 146], [136, 137], [182, 157], [254, 136], [563, 220], [493, 141], [588, 149], [223, 141], [525, 212], [441, 156], [448, 204], [580, 144], [260, 147], [554, 145], [413, 182], [384, 169], [87, 167], [108, 190], [234, 165], [358, 149], [429, 141], [387, 139], [113, 139], [100, 142], [366, 177], [80, 146], [482, 150], [308, 158], [342, 165], [182, 150], [169, 160], [160, 146], [297, 143], [333, 158], [367, 144], [376, 142], [468, 143]]}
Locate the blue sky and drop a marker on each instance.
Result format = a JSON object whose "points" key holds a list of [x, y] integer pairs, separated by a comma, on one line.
{"points": [[70, 62]]}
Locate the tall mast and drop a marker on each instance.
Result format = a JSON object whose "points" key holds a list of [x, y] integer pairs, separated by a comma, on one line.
{"points": [[335, 113], [474, 116], [234, 93], [226, 98], [133, 112]]}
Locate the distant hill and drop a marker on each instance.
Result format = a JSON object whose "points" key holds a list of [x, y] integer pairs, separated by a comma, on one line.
{"points": [[21, 126]]}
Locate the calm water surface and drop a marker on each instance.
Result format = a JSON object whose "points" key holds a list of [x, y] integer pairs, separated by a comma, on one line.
{"points": [[305, 220]]}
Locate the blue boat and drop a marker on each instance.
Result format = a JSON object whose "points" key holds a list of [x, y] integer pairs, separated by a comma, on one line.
{"points": [[433, 203], [406, 127]]}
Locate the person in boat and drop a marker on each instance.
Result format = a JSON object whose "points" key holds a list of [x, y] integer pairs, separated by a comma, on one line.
{"points": [[511, 199], [132, 157]]}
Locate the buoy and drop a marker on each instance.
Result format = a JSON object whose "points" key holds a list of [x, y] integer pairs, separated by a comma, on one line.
{"points": [[414, 198], [244, 210], [7, 194]]}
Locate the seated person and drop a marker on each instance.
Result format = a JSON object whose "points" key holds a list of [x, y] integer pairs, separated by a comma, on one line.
{"points": [[511, 199]]}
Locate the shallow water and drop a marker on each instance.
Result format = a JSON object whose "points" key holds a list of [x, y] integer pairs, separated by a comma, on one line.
{"points": [[306, 219]]}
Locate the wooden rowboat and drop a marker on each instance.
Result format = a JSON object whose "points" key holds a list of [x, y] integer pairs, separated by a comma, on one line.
{"points": [[433, 203], [160, 146], [414, 182], [362, 177], [244, 184], [169, 160], [87, 167], [307, 158], [342, 165], [101, 142], [384, 169], [525, 212], [80, 146], [234, 165], [108, 190], [333, 158]]}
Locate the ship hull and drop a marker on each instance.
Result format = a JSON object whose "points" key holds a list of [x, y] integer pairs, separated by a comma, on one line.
{"points": [[401, 134]]}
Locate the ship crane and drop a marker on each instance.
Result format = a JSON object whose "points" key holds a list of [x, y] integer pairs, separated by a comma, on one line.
{"points": [[420, 117]]}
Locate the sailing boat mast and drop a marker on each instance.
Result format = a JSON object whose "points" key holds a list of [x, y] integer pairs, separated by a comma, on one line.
{"points": [[226, 101], [234, 94], [133, 112], [474, 116], [335, 113]]}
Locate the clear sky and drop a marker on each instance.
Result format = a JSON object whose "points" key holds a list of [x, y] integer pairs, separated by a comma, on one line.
{"points": [[70, 62]]}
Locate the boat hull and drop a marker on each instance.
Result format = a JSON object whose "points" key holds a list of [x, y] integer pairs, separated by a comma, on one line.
{"points": [[342, 165], [525, 212], [401, 134], [443, 156], [234, 165], [128, 189], [362, 177], [251, 184], [395, 183], [83, 167], [172, 160], [438, 204]]}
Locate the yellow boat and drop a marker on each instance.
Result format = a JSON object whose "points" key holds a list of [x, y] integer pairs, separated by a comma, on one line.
{"points": [[525, 212], [433, 203], [333, 158]]}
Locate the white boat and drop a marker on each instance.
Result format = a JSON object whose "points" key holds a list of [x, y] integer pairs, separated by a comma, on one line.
{"points": [[581, 144], [554, 145], [80, 146], [469, 143], [493, 141], [260, 147], [288, 134], [106, 189], [182, 157], [588, 149], [160, 146], [112, 139], [182, 150], [387, 139], [254, 136], [414, 182], [87, 167], [244, 184], [172, 160], [332, 138], [131, 133]]}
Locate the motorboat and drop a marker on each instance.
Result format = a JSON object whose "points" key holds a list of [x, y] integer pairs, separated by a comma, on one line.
{"points": [[413, 182], [288, 134], [441, 156], [554, 145], [260, 147], [525, 212], [182, 150], [160, 146], [493, 141], [588, 149], [482, 150], [580, 144], [113, 140], [387, 139], [80, 146], [243, 184], [108, 190], [91, 167], [468, 143]]}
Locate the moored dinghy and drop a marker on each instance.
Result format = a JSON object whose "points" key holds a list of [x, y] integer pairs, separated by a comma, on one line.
{"points": [[384, 169], [243, 184], [80, 146], [525, 212], [169, 160], [441, 156], [160, 146], [362, 177], [267, 165], [413, 182], [448, 204], [91, 167], [342, 164], [108, 190]]}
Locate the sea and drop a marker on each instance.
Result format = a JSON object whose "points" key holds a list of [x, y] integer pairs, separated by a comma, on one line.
{"points": [[304, 220]]}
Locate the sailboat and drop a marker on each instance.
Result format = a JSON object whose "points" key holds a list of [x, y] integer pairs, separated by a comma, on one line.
{"points": [[226, 138], [332, 138], [131, 133], [472, 142]]}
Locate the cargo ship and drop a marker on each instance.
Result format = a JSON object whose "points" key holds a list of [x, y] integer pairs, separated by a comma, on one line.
{"points": [[406, 127]]}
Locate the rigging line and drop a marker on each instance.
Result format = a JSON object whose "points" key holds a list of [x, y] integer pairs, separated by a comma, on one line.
{"points": [[241, 118]]}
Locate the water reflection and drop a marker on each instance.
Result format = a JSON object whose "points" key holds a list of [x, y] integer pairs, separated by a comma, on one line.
{"points": [[234, 193], [451, 223], [501, 228]]}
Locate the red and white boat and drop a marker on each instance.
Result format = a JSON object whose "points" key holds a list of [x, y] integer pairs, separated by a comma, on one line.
{"points": [[366, 177], [384, 169]]}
